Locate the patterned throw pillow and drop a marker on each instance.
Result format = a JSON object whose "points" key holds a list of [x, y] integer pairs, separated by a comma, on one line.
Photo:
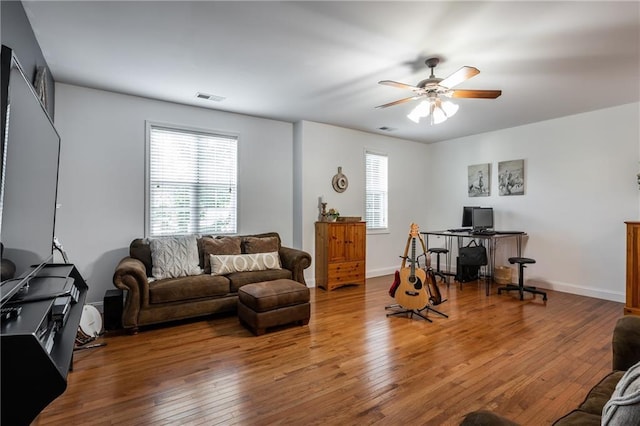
{"points": [[225, 264], [174, 257]]}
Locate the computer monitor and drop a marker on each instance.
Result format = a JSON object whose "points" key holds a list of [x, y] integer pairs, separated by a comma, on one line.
{"points": [[467, 216], [482, 218]]}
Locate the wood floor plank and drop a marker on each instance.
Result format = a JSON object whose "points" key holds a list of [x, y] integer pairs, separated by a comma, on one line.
{"points": [[529, 360]]}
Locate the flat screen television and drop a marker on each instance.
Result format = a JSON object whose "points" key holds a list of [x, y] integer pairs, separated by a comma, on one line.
{"points": [[482, 218], [28, 189], [467, 216]]}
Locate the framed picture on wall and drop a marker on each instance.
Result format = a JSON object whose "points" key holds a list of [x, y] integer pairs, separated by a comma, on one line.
{"points": [[479, 180], [511, 177]]}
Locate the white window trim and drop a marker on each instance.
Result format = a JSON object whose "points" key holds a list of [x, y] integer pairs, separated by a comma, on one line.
{"points": [[147, 176]]}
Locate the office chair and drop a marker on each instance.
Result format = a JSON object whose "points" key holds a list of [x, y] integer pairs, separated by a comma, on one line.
{"points": [[522, 261]]}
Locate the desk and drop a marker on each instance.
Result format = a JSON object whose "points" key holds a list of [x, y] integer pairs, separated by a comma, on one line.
{"points": [[491, 241]]}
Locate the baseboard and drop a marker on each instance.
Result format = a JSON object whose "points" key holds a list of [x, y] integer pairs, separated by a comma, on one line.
{"points": [[578, 290], [382, 272], [549, 285]]}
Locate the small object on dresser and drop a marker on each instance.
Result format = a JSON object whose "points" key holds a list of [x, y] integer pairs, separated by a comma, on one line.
{"points": [[333, 215], [349, 218]]}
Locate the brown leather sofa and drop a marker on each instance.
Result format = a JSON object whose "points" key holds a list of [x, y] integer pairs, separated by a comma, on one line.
{"points": [[622, 403], [150, 301]]}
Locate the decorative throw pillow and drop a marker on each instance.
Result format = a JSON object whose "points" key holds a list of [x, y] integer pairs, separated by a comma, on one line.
{"points": [[139, 249], [624, 406], [218, 246], [174, 257], [225, 264], [260, 245]]}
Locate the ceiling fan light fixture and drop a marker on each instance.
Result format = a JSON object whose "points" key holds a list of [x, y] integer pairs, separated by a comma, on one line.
{"points": [[449, 108], [438, 116], [423, 109], [433, 89], [434, 107]]}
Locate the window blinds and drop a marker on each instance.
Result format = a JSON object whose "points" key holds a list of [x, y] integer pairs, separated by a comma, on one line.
{"points": [[376, 211], [192, 182]]}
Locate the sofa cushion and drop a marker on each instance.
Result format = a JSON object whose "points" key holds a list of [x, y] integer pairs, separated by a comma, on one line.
{"points": [[238, 279], [222, 265], [260, 244], [624, 406], [188, 288], [590, 411], [139, 249], [174, 257], [218, 246]]}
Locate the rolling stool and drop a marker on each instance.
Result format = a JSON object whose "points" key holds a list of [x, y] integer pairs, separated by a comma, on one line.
{"points": [[521, 287], [438, 251]]}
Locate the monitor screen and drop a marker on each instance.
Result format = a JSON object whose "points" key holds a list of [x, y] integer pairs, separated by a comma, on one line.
{"points": [[467, 216], [482, 218]]}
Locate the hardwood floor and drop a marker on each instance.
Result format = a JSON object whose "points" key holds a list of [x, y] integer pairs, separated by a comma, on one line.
{"points": [[527, 360]]}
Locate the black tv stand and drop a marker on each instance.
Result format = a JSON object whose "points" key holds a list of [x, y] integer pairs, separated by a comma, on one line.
{"points": [[36, 355]]}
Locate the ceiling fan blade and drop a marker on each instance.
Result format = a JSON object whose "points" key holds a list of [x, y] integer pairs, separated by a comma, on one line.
{"points": [[463, 74], [398, 85], [483, 94], [400, 101]]}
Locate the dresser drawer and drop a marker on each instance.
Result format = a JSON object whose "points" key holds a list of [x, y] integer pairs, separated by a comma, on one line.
{"points": [[343, 273]]}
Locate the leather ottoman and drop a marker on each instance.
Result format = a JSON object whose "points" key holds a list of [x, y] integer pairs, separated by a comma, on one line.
{"points": [[273, 303]]}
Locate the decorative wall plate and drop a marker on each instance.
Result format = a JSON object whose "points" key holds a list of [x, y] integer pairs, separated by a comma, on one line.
{"points": [[340, 181]]}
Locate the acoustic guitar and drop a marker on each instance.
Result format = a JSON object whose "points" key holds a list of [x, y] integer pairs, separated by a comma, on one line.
{"points": [[411, 293]]}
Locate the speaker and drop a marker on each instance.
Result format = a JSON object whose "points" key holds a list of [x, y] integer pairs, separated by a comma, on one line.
{"points": [[113, 309]]}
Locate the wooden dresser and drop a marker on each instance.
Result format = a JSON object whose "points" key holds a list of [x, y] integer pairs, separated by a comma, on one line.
{"points": [[633, 269], [340, 253]]}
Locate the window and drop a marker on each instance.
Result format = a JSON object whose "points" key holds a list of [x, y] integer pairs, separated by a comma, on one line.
{"points": [[191, 182], [377, 177]]}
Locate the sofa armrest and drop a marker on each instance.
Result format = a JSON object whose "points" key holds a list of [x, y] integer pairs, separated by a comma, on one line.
{"points": [[296, 261], [626, 342], [131, 275]]}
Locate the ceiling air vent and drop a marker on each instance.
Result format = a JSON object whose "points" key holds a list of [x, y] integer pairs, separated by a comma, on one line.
{"points": [[214, 98]]}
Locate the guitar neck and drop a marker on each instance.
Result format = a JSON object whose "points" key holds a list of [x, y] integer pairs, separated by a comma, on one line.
{"points": [[413, 257]]}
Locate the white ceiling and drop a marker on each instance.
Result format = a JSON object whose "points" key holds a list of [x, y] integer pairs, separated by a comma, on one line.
{"points": [[321, 61]]}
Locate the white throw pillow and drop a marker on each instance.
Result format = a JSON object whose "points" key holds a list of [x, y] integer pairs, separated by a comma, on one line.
{"points": [[173, 257], [225, 264]]}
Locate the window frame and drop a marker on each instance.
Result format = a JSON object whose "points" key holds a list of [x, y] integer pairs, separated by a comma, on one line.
{"points": [[376, 230], [147, 169]]}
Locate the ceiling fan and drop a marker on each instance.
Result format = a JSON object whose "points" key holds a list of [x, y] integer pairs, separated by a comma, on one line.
{"points": [[433, 88]]}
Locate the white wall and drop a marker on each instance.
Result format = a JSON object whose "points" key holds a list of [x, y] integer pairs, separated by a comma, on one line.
{"points": [[580, 187], [101, 186], [322, 149]]}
